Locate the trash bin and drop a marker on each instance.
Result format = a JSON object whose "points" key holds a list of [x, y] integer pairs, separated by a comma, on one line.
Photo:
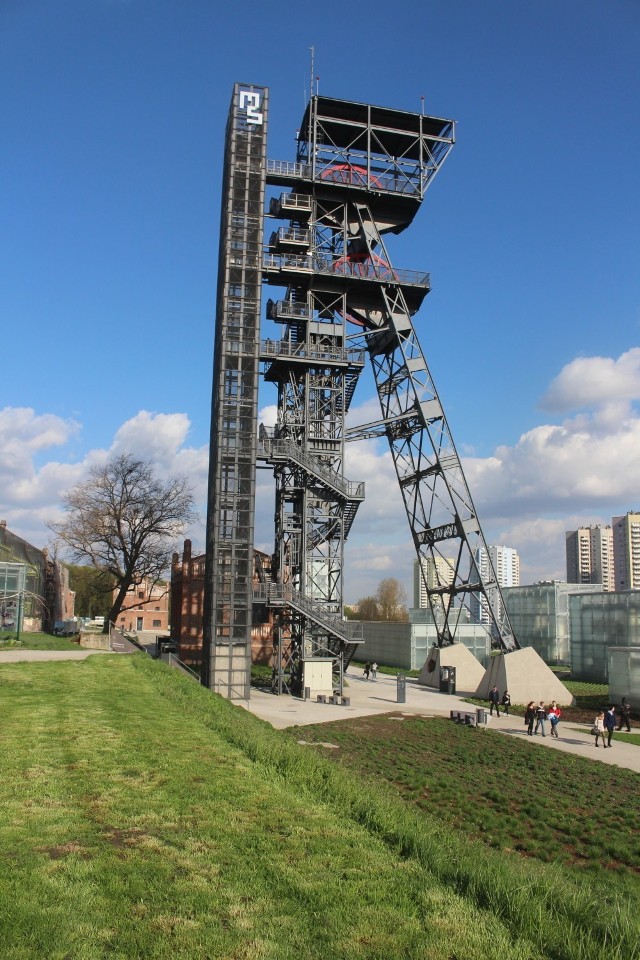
{"points": [[401, 693], [481, 715], [447, 679], [451, 683]]}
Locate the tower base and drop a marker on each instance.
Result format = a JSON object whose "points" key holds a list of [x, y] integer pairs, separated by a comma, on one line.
{"points": [[469, 672], [526, 676]]}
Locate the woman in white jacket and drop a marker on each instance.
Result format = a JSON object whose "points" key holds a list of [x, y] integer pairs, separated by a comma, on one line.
{"points": [[598, 727]]}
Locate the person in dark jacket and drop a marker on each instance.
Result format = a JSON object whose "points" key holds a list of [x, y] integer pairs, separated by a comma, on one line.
{"points": [[609, 724], [506, 702], [541, 718], [494, 701], [530, 716], [625, 715]]}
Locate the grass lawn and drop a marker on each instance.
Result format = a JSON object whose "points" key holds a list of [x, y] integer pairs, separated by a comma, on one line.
{"points": [[35, 641], [144, 817], [514, 798]]}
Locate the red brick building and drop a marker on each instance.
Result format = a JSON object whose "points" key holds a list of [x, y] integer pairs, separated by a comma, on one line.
{"points": [[187, 608], [147, 608]]}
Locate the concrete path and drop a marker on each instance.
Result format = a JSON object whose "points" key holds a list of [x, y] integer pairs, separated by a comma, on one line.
{"points": [[40, 656], [575, 738], [369, 697]]}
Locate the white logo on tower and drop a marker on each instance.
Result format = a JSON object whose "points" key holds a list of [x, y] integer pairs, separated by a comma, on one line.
{"points": [[252, 103]]}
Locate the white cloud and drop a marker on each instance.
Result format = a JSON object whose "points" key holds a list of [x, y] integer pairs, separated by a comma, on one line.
{"points": [[31, 493], [268, 415], [590, 381]]}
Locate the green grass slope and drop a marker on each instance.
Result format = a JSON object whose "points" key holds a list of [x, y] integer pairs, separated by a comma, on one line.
{"points": [[144, 817]]}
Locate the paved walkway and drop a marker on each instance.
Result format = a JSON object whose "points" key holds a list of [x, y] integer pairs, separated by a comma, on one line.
{"points": [[16, 655], [368, 697]]}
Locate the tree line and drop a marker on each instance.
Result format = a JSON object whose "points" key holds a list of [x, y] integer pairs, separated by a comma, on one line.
{"points": [[389, 603]]}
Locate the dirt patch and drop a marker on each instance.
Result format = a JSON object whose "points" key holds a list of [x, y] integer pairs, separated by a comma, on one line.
{"points": [[65, 850]]}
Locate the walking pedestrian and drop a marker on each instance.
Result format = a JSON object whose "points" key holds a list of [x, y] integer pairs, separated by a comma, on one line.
{"points": [[610, 724], [506, 702], [625, 715], [374, 671], [541, 718], [494, 701], [554, 713], [367, 668], [529, 717], [598, 728]]}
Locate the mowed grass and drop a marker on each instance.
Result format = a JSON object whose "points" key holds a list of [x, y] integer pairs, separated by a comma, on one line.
{"points": [[512, 795], [34, 641], [144, 817]]}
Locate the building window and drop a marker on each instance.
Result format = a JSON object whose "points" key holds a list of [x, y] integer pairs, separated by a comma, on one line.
{"points": [[140, 594], [157, 623]]}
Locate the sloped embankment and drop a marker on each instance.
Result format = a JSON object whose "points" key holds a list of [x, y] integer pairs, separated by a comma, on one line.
{"points": [[144, 817]]}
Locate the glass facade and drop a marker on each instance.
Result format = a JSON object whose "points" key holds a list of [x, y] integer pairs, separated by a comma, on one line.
{"points": [[475, 637], [13, 578], [539, 615], [624, 674], [407, 645], [599, 621]]}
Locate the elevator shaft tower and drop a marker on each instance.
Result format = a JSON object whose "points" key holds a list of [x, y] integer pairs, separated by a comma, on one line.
{"points": [[359, 177]]}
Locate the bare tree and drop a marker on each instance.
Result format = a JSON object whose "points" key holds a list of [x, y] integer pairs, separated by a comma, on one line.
{"points": [[365, 609], [389, 603], [391, 598], [125, 521]]}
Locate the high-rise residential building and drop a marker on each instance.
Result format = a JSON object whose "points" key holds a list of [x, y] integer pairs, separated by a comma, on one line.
{"points": [[506, 566], [438, 572], [590, 557], [626, 551]]}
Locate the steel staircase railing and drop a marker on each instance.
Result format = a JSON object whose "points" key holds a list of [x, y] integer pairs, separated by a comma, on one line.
{"points": [[283, 594], [287, 450]]}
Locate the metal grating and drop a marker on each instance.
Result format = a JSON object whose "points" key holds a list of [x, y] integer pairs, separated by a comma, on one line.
{"points": [[231, 493]]}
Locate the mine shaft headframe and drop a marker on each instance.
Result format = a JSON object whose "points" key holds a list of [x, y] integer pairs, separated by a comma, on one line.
{"points": [[393, 153]]}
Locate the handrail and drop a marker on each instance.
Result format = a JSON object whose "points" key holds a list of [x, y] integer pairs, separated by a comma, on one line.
{"points": [[390, 181], [289, 169], [294, 234], [176, 662], [362, 270], [274, 593], [285, 348], [272, 449]]}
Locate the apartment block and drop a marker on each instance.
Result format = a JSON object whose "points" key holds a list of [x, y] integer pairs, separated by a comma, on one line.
{"points": [[626, 551], [590, 556], [430, 573], [506, 566]]}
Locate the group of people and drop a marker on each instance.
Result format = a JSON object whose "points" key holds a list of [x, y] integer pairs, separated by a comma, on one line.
{"points": [[536, 716], [605, 723], [495, 700], [370, 670]]}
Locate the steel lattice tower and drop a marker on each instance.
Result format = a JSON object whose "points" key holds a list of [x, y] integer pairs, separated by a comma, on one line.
{"points": [[360, 173]]}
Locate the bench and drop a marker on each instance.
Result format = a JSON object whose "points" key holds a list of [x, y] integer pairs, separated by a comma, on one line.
{"points": [[467, 717]]}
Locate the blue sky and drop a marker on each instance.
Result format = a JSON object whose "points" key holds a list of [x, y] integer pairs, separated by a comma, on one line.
{"points": [[111, 165]]}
